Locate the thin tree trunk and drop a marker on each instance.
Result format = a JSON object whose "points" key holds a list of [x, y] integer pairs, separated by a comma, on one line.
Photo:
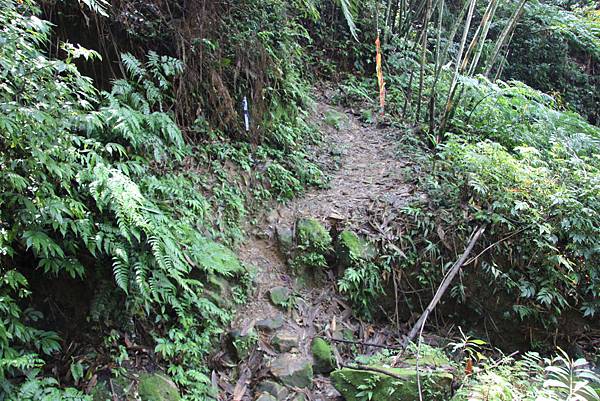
{"points": [[503, 36], [437, 69], [486, 28], [394, 15], [428, 12], [388, 12], [463, 41], [480, 33]]}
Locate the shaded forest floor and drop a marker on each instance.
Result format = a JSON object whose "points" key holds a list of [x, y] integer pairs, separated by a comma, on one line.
{"points": [[366, 178]]}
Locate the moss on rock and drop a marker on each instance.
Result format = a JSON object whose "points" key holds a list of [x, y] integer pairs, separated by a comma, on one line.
{"points": [[293, 370], [156, 387], [312, 236], [323, 356], [350, 248], [280, 296], [350, 383]]}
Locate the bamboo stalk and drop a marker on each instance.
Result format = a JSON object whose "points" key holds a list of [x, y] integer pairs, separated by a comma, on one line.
{"points": [[486, 28], [510, 26], [480, 35], [452, 89], [437, 69], [428, 12]]}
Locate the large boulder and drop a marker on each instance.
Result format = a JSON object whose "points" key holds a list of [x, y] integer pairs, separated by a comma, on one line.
{"points": [[436, 385], [293, 370]]}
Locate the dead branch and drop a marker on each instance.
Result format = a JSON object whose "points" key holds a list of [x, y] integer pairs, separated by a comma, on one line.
{"points": [[444, 285]]}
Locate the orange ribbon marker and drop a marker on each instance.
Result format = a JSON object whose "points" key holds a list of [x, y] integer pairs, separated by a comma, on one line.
{"points": [[380, 74]]}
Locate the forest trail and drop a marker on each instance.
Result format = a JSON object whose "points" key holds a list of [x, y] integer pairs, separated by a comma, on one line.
{"points": [[366, 173]]}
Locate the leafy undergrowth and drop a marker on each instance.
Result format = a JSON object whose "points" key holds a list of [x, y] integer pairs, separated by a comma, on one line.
{"points": [[515, 160], [101, 188], [482, 374]]}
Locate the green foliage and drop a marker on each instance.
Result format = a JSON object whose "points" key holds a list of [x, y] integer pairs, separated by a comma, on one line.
{"points": [[362, 284], [557, 50], [81, 189], [362, 281], [528, 170], [531, 378], [541, 179]]}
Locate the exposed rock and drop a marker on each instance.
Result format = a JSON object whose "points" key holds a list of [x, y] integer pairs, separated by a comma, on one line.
{"points": [[285, 237], [342, 333], [243, 343], [323, 356], [270, 324], [299, 397], [122, 387], [266, 397], [435, 384], [280, 296], [273, 388], [157, 387], [285, 341], [293, 370]]}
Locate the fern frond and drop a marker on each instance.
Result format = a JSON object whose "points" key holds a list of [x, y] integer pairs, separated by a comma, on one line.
{"points": [[349, 8]]}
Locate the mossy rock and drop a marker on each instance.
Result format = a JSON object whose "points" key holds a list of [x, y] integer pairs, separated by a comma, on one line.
{"points": [[350, 248], [312, 236], [157, 387], [219, 291], [293, 370], [275, 389], [285, 341], [436, 385], [121, 387], [280, 296], [270, 324], [323, 356], [335, 119], [285, 238], [266, 397]]}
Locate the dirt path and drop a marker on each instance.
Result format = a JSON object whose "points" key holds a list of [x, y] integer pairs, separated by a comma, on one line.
{"points": [[367, 173]]}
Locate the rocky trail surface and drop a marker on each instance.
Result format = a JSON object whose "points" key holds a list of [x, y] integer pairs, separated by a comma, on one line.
{"points": [[273, 335]]}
